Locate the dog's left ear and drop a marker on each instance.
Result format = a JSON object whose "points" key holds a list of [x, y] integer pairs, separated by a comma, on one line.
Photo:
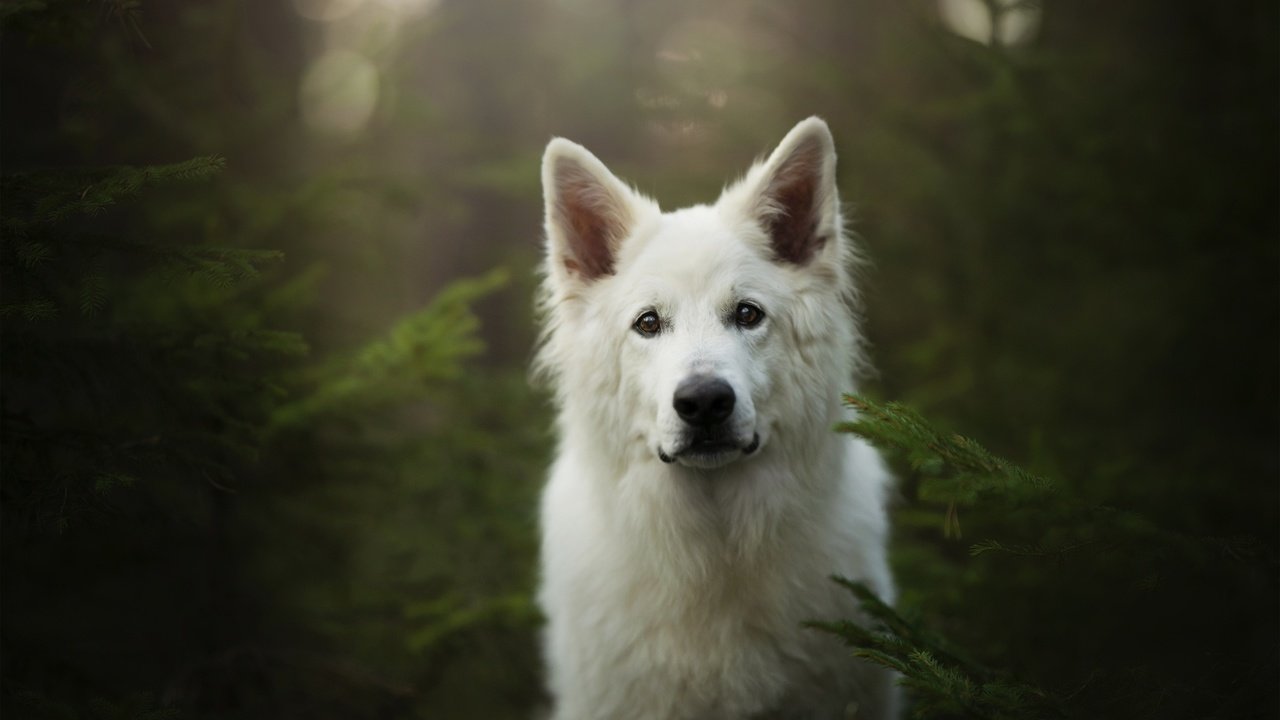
{"points": [[794, 198]]}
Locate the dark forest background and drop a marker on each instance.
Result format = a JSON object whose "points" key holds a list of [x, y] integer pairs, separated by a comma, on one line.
{"points": [[269, 448]]}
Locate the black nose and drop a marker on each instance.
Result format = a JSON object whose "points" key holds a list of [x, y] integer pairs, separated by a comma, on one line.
{"points": [[703, 400]]}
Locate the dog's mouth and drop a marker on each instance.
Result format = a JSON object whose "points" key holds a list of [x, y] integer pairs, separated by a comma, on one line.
{"points": [[709, 451]]}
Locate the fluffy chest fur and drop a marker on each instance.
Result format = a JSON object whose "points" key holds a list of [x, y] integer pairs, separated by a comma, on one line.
{"points": [[678, 609]]}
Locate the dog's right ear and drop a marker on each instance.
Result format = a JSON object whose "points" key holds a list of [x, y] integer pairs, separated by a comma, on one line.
{"points": [[589, 212]]}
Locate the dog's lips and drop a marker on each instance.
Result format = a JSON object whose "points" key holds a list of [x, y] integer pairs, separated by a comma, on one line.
{"points": [[709, 451]]}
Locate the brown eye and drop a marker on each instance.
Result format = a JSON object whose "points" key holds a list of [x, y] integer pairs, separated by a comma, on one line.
{"points": [[648, 324], [748, 315]]}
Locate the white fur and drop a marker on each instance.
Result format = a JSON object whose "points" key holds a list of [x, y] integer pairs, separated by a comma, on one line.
{"points": [[677, 590]]}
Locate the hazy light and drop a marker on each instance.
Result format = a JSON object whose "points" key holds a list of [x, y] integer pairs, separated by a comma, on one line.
{"points": [[371, 32], [339, 92], [326, 10], [411, 7], [1015, 21]]}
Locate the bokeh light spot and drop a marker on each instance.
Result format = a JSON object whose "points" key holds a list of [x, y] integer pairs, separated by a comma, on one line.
{"points": [[326, 10], [339, 93], [1005, 22], [411, 7]]}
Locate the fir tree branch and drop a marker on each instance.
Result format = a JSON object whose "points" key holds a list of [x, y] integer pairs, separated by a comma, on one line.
{"points": [[39, 198], [959, 468], [415, 355], [945, 684]]}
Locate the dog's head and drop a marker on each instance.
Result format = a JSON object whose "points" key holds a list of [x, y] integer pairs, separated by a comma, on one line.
{"points": [[698, 334]]}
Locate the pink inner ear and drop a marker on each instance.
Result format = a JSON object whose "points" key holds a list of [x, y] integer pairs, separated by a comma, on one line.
{"points": [[591, 218], [793, 196], [794, 232], [589, 239]]}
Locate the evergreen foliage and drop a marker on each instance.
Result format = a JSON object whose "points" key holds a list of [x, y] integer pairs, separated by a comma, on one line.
{"points": [[942, 684], [160, 417], [954, 470], [140, 706], [421, 351], [96, 318]]}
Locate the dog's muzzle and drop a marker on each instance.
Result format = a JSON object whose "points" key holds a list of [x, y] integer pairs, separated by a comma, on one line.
{"points": [[705, 403]]}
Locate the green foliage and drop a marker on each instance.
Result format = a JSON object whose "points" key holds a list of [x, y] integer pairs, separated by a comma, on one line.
{"points": [[942, 684], [96, 319], [139, 706], [34, 199], [443, 617], [420, 351], [63, 21], [958, 471], [18, 7], [967, 468], [206, 471]]}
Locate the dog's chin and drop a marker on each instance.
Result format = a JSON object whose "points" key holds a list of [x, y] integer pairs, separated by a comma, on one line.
{"points": [[706, 454]]}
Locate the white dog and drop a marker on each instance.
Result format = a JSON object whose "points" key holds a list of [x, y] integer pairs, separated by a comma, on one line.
{"points": [[700, 501]]}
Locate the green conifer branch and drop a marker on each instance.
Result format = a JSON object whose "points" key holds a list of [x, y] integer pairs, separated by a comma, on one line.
{"points": [[49, 197], [16, 8], [943, 683], [419, 352], [959, 469]]}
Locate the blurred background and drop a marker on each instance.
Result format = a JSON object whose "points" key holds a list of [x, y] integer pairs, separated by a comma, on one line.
{"points": [[269, 448]]}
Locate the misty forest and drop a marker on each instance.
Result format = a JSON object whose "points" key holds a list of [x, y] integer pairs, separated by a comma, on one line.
{"points": [[269, 444]]}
